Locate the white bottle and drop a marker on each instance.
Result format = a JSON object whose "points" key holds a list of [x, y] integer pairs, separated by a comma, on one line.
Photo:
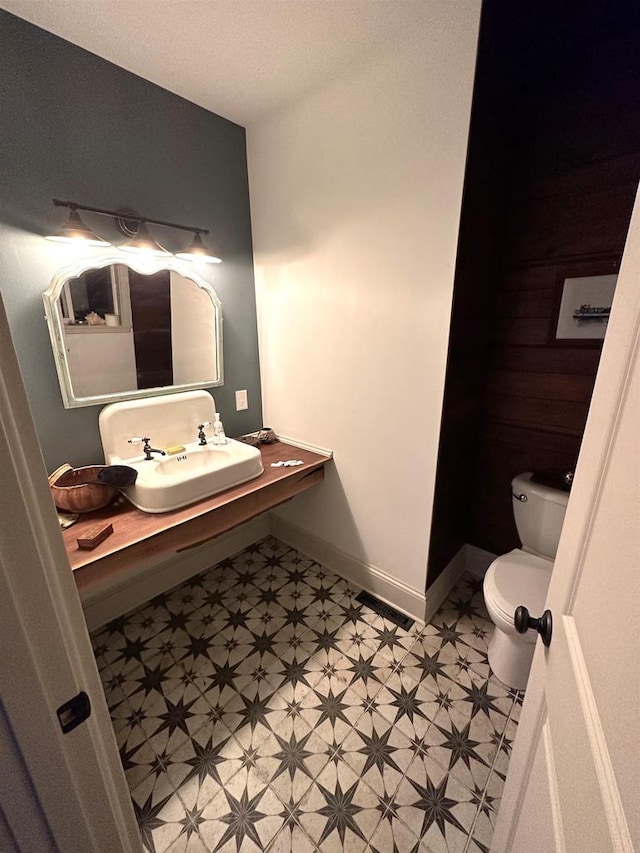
{"points": [[218, 431]]}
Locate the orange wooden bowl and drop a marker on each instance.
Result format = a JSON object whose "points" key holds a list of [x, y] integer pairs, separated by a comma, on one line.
{"points": [[74, 490]]}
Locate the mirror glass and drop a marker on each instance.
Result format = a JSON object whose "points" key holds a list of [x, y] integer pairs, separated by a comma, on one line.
{"points": [[122, 329]]}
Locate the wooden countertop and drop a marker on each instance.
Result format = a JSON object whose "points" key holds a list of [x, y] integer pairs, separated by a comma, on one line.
{"points": [[141, 536]]}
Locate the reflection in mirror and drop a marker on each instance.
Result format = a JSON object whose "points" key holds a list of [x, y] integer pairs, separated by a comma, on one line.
{"points": [[125, 330]]}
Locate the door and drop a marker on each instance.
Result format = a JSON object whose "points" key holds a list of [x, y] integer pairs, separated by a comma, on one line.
{"points": [[151, 318], [58, 792], [574, 779]]}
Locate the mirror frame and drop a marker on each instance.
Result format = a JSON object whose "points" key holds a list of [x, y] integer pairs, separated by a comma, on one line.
{"points": [[145, 266]]}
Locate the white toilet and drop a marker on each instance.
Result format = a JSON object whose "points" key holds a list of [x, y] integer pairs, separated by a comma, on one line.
{"points": [[522, 577]]}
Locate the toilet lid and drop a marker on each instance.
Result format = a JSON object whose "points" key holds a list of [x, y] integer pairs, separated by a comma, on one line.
{"points": [[519, 578]]}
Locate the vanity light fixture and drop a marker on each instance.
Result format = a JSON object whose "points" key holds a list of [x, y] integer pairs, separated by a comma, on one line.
{"points": [[133, 226], [74, 230], [197, 251], [143, 242]]}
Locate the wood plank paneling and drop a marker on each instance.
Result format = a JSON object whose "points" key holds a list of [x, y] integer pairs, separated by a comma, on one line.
{"points": [[593, 175], [570, 360], [510, 330], [570, 214], [527, 278], [528, 304], [151, 313], [558, 205], [545, 386], [533, 442], [558, 228], [554, 415], [505, 451], [543, 274]]}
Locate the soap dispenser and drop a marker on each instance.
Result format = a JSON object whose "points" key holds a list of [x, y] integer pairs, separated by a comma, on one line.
{"points": [[218, 431]]}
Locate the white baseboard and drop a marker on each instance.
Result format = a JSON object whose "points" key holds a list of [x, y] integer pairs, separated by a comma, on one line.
{"points": [[323, 451], [102, 604], [468, 559], [445, 582], [383, 586], [152, 578], [478, 561]]}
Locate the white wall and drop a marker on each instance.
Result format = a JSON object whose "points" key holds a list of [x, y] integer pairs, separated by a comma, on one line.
{"points": [[193, 333], [355, 198]]}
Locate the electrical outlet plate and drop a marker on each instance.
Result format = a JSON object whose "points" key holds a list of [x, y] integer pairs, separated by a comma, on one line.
{"points": [[242, 402]]}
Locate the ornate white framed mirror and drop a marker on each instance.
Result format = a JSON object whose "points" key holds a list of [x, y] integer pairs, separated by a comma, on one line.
{"points": [[124, 328]]}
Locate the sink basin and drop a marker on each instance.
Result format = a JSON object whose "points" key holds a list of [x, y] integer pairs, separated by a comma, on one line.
{"points": [[165, 483], [195, 461]]}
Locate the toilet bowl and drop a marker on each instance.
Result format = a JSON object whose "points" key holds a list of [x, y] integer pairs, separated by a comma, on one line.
{"points": [[513, 579], [522, 576]]}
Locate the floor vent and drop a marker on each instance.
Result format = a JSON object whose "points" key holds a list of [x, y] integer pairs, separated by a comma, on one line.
{"points": [[385, 610]]}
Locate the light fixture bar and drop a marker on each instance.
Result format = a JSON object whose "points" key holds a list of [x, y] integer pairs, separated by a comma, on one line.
{"points": [[128, 215]]}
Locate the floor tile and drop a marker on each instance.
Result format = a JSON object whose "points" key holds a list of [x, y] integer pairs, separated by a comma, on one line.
{"points": [[290, 762], [391, 834], [160, 821], [189, 841], [331, 713], [261, 706], [291, 838], [339, 810], [407, 704], [379, 753], [245, 816], [436, 807], [428, 662]]}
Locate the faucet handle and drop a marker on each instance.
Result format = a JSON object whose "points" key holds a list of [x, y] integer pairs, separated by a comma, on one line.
{"points": [[146, 447]]}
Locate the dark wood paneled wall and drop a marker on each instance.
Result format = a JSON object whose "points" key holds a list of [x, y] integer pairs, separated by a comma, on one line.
{"points": [[570, 212], [559, 207]]}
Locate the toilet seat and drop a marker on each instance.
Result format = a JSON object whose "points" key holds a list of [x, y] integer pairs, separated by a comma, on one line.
{"points": [[517, 578]]}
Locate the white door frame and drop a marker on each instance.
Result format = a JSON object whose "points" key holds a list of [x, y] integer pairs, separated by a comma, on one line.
{"points": [[619, 353], [79, 794]]}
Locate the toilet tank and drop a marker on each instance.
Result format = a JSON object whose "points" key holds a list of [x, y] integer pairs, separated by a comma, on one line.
{"points": [[539, 518]]}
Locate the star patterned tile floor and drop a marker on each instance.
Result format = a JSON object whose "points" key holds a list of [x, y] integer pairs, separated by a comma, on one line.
{"points": [[259, 706]]}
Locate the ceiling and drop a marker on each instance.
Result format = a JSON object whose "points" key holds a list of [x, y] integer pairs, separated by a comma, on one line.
{"points": [[242, 59]]}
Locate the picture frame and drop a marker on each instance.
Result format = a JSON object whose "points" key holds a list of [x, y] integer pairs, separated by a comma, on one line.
{"points": [[583, 306]]}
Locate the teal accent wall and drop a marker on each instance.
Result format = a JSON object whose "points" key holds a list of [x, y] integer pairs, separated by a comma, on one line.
{"points": [[74, 126]]}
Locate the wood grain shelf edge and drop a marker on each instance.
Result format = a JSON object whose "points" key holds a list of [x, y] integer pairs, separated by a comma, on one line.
{"points": [[140, 537]]}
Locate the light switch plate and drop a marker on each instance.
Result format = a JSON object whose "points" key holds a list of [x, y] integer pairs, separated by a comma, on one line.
{"points": [[242, 401]]}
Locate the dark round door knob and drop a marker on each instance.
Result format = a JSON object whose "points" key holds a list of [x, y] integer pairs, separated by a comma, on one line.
{"points": [[543, 625]]}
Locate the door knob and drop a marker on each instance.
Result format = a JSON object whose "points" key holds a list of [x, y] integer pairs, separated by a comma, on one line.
{"points": [[524, 622]]}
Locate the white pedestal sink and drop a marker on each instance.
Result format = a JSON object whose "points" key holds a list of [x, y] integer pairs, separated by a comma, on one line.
{"points": [[171, 481]]}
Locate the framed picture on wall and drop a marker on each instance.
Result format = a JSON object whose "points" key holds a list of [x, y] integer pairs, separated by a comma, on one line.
{"points": [[584, 305]]}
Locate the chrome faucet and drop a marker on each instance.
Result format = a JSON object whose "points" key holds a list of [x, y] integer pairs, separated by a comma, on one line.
{"points": [[148, 450]]}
